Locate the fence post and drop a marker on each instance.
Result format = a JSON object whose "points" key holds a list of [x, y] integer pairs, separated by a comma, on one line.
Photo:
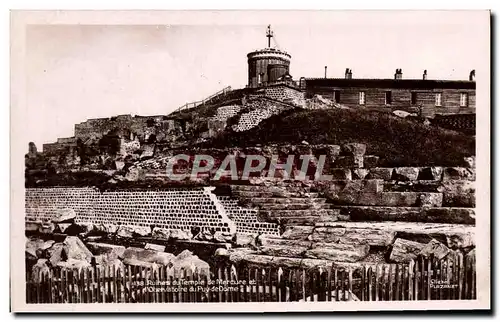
{"points": [[278, 284], [350, 285], [429, 277], [411, 268], [329, 284], [370, 284]]}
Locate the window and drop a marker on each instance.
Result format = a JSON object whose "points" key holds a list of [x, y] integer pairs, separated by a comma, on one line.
{"points": [[388, 98], [464, 100], [438, 99], [413, 98], [336, 96], [361, 98]]}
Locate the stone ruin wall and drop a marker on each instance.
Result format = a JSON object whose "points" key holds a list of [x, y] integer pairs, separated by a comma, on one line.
{"points": [[170, 209], [285, 94], [246, 218], [261, 110], [96, 128]]}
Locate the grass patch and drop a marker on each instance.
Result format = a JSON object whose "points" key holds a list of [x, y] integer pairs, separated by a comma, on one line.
{"points": [[397, 141]]}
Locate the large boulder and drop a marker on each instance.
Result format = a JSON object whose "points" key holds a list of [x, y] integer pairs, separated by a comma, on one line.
{"points": [[189, 263], [65, 216], [405, 250], [75, 249], [147, 255], [111, 251]]}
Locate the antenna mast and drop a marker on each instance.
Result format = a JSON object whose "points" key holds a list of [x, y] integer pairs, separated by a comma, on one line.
{"points": [[269, 35]]}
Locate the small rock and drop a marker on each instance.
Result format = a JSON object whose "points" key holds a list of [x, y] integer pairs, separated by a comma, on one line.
{"points": [[436, 248], [371, 161], [245, 240], [160, 233], [61, 228], [180, 234], [354, 149], [125, 232], [222, 237], [141, 231], [204, 235], [360, 173], [221, 252], [470, 161]]}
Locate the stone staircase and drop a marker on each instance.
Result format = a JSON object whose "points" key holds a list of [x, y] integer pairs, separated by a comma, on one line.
{"points": [[360, 221], [285, 205]]}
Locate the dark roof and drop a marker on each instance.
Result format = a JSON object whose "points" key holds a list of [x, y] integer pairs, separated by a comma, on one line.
{"points": [[391, 83]]}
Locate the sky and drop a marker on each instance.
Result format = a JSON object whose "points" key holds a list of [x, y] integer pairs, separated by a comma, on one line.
{"points": [[75, 71]]}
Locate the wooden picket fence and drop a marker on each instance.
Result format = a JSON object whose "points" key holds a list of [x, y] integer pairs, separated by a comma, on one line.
{"points": [[422, 279]]}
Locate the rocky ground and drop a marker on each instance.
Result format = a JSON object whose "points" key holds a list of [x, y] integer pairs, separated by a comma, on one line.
{"points": [[66, 244]]}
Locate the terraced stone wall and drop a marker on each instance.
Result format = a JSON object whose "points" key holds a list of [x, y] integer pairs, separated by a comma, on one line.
{"points": [[174, 209]]}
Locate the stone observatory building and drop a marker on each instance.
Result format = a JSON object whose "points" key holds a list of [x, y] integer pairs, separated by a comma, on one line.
{"points": [[268, 65]]}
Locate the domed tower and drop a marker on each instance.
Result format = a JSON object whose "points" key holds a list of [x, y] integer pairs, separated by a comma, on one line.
{"points": [[267, 65]]}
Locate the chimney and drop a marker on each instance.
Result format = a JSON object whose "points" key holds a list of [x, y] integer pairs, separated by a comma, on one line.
{"points": [[348, 73], [424, 76], [472, 75], [325, 71], [399, 74]]}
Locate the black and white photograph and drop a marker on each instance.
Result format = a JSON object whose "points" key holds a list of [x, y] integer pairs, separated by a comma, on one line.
{"points": [[232, 157]]}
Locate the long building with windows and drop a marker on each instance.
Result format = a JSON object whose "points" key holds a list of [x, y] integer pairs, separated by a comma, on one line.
{"points": [[427, 97]]}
